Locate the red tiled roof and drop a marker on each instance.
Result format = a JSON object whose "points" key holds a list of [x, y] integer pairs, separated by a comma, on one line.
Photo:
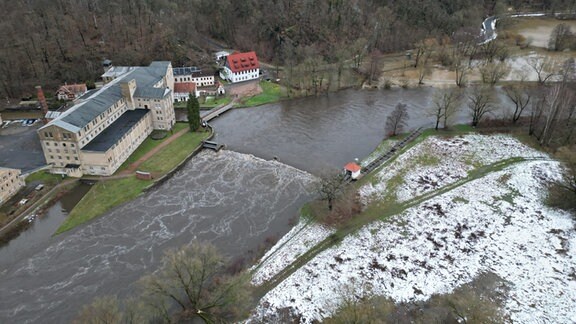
{"points": [[73, 88], [184, 87], [352, 167], [239, 62]]}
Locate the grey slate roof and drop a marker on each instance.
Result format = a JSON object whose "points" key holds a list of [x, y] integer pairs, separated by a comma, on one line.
{"points": [[113, 133], [98, 102], [185, 70]]}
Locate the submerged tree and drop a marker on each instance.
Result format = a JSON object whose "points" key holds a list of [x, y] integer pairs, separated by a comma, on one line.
{"points": [[193, 109], [545, 67], [396, 121], [107, 309], [445, 105], [561, 38], [492, 72], [520, 96], [480, 104]]}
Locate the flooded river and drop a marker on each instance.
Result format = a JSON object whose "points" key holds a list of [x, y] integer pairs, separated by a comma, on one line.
{"points": [[37, 235], [326, 132], [230, 198], [234, 200]]}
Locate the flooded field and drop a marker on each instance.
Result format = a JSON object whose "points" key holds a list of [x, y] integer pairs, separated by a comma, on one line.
{"points": [[537, 30]]}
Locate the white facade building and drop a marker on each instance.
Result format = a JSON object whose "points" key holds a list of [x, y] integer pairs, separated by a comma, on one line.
{"points": [[99, 133], [241, 67]]}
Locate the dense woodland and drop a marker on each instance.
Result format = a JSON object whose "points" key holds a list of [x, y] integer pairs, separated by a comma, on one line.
{"points": [[48, 42]]}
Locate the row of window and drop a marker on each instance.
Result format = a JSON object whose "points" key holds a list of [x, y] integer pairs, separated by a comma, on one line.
{"points": [[108, 121], [247, 71], [60, 157], [246, 77], [4, 182], [195, 79], [65, 151], [56, 144]]}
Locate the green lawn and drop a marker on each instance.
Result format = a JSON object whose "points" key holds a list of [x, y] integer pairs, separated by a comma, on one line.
{"points": [[108, 194], [170, 156], [271, 92], [102, 197], [44, 177], [209, 103], [212, 102], [147, 146]]}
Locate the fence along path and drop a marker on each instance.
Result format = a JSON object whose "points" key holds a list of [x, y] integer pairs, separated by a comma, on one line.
{"points": [[384, 157]]}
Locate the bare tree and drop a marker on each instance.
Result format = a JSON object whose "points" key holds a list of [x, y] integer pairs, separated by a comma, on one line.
{"points": [[423, 66], [194, 281], [330, 188], [101, 310], [445, 105], [537, 110], [461, 69], [107, 309], [520, 96], [397, 119], [375, 67], [493, 72], [562, 192], [423, 50], [494, 49], [561, 38], [480, 103], [561, 98], [545, 67]]}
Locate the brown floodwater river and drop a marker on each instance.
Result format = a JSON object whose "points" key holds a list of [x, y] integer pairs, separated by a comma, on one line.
{"points": [[236, 199]]}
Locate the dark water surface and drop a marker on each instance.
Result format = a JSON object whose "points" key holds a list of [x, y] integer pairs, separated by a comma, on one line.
{"points": [[39, 233], [234, 200], [325, 132]]}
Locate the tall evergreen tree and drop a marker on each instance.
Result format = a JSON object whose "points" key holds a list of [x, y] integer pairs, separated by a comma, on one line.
{"points": [[193, 107]]}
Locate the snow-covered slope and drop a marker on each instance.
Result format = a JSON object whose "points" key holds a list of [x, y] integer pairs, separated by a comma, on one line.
{"points": [[497, 223]]}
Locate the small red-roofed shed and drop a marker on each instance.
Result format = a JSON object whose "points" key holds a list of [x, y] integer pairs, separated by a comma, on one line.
{"points": [[353, 169]]}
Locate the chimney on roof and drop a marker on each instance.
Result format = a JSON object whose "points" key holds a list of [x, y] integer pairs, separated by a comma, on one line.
{"points": [[43, 103], [128, 88], [106, 65]]}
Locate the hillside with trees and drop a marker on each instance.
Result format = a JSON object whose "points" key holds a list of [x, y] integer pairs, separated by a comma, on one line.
{"points": [[50, 42]]}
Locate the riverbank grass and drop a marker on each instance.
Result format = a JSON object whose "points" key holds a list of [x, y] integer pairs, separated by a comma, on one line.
{"points": [[271, 92], [102, 197], [209, 102], [44, 177], [213, 102], [172, 155], [107, 194], [148, 145]]}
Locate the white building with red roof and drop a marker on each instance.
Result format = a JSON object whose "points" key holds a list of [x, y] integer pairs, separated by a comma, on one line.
{"points": [[240, 67], [71, 91]]}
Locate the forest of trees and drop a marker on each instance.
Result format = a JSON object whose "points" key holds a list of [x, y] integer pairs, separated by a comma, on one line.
{"points": [[48, 42]]}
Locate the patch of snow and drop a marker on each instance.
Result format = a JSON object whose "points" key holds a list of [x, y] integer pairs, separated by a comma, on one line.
{"points": [[456, 156], [301, 238], [520, 68], [497, 223]]}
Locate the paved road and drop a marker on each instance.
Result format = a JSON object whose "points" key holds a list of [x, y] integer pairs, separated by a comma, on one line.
{"points": [[489, 25], [20, 147]]}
